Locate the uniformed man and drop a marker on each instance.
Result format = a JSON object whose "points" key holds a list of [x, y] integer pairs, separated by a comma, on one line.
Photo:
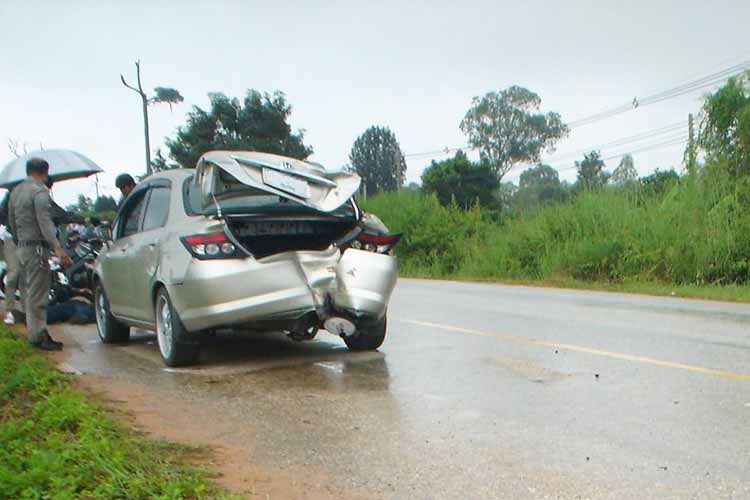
{"points": [[30, 220], [12, 272]]}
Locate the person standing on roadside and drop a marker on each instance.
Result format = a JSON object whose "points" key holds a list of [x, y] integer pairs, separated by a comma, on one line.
{"points": [[125, 183], [11, 263], [30, 220]]}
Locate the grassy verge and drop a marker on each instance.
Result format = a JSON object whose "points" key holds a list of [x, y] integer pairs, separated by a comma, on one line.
{"points": [[690, 239], [56, 443], [726, 293]]}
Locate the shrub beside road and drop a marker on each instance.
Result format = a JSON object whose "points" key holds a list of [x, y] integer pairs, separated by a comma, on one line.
{"points": [[691, 238]]}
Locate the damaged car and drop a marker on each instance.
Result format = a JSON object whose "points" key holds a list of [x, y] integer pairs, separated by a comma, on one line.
{"points": [[250, 241]]}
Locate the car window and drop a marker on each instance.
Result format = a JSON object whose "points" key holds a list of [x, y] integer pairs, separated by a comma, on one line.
{"points": [[192, 197], [132, 216], [157, 209]]}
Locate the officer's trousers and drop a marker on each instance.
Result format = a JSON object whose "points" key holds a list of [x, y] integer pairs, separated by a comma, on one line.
{"points": [[35, 283]]}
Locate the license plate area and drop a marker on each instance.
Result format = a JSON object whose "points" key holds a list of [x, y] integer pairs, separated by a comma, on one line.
{"points": [[286, 182], [276, 228]]}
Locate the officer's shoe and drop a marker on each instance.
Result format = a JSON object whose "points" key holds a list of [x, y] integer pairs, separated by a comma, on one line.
{"points": [[47, 344]]}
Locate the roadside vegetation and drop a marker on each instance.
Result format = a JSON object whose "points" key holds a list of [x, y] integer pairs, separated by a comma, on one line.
{"points": [[57, 443], [687, 233]]}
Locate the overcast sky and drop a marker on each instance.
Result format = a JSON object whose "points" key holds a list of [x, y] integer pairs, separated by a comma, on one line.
{"points": [[345, 65]]}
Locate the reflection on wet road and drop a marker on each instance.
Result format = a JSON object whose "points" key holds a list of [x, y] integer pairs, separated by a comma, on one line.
{"points": [[483, 391]]}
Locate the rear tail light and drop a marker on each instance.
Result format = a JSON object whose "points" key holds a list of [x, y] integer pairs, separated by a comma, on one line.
{"points": [[210, 246], [380, 243]]}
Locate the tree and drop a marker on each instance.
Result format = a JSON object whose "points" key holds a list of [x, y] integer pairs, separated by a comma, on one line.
{"points": [[625, 173], [591, 174], [105, 204], [660, 181], [461, 179], [376, 156], [84, 204], [539, 185], [725, 129], [257, 123], [507, 129], [163, 95], [505, 195], [160, 162]]}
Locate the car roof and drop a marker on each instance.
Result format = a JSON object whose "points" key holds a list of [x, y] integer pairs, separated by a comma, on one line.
{"points": [[174, 174]]}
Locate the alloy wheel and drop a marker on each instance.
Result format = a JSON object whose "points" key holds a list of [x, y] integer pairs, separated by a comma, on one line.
{"points": [[164, 326]]}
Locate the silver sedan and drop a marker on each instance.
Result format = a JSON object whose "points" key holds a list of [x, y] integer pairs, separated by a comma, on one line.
{"points": [[246, 240]]}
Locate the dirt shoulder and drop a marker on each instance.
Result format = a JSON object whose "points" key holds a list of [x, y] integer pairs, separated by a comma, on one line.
{"points": [[230, 447]]}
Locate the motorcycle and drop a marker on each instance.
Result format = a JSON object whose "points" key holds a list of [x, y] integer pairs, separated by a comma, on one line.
{"points": [[83, 249]]}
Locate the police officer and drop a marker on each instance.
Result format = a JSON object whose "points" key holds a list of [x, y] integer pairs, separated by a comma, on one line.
{"points": [[30, 220]]}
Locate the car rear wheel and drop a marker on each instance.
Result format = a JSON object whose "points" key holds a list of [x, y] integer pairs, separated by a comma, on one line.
{"points": [[369, 337], [110, 330], [171, 335]]}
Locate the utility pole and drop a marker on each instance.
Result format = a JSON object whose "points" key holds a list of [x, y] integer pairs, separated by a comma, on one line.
{"points": [[691, 146], [144, 99]]}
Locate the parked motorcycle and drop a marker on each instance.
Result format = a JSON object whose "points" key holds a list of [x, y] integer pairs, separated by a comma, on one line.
{"points": [[83, 249]]}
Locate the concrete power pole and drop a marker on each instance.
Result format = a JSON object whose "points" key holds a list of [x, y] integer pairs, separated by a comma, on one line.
{"points": [[691, 153], [144, 100]]}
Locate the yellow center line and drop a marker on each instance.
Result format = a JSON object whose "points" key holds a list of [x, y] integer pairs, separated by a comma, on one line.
{"points": [[588, 350]]}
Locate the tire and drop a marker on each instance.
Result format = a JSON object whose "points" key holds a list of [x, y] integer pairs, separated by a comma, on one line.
{"points": [[173, 339], [110, 330], [3, 275], [368, 337]]}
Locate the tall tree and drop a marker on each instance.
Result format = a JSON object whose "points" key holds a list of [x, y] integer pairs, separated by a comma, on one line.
{"points": [[84, 204], [625, 173], [376, 156], [162, 95], [725, 130], [591, 174], [105, 204], [539, 185], [257, 123], [461, 179], [507, 128]]}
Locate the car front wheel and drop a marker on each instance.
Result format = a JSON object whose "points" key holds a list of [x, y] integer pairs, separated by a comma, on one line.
{"points": [[368, 337], [175, 348], [110, 330]]}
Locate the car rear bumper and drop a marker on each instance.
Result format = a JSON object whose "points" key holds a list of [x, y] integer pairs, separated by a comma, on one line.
{"points": [[218, 293]]}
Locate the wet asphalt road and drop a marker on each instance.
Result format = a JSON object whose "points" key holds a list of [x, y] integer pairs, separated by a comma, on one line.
{"points": [[487, 391]]}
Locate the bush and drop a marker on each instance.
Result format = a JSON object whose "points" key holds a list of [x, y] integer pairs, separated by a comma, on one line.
{"points": [[689, 230]]}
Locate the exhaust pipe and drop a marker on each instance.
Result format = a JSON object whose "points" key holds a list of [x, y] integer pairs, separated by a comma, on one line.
{"points": [[340, 326]]}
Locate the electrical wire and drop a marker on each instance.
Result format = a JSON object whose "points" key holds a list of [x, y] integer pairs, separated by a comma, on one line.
{"points": [[678, 90]]}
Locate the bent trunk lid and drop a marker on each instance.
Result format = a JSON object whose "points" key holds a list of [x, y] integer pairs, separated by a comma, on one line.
{"points": [[226, 174]]}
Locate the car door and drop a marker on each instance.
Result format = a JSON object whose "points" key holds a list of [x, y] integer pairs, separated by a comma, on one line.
{"points": [[147, 250], [117, 266]]}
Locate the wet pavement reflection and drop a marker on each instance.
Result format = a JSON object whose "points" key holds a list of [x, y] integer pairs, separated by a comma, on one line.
{"points": [[441, 412]]}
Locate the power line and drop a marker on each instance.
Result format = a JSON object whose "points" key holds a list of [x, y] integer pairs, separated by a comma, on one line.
{"points": [[649, 134], [672, 141], [678, 90]]}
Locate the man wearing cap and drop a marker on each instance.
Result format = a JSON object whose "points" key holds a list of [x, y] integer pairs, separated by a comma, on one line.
{"points": [[30, 220], [125, 183]]}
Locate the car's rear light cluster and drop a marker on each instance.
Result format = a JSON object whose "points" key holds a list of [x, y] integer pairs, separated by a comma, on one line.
{"points": [[380, 243], [210, 246]]}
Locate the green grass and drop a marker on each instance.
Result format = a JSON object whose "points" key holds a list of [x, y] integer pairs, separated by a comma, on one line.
{"points": [[56, 443], [693, 239]]}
